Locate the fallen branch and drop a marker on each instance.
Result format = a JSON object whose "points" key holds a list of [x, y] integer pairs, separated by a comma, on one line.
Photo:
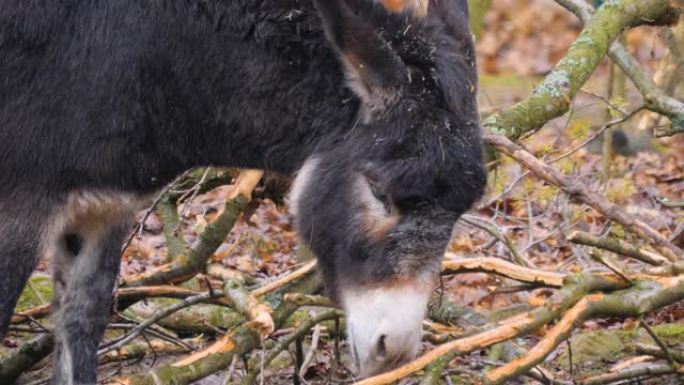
{"points": [[157, 331], [281, 282], [436, 370], [492, 229], [135, 332], [126, 294], [225, 273], [205, 318], [34, 312], [167, 212], [187, 265], [27, 356], [559, 333], [658, 352], [300, 300], [641, 299], [315, 339], [241, 340], [665, 350], [617, 246], [141, 349], [670, 71], [642, 370], [502, 268]]}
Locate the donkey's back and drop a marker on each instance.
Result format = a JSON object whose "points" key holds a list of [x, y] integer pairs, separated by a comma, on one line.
{"points": [[101, 103]]}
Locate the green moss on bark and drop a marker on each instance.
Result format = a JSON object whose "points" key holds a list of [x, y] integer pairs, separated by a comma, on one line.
{"points": [[552, 97]]}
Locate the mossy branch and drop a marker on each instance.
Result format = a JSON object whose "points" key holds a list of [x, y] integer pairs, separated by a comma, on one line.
{"points": [[193, 259], [617, 246], [552, 98], [27, 356], [167, 212], [634, 302], [659, 12]]}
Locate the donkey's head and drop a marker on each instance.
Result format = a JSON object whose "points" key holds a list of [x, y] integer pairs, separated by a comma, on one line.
{"points": [[377, 206]]}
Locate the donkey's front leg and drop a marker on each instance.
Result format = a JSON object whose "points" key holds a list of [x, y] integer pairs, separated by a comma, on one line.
{"points": [[85, 273]]}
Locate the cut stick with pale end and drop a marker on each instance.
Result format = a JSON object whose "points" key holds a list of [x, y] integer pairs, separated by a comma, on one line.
{"points": [[503, 268], [281, 282]]}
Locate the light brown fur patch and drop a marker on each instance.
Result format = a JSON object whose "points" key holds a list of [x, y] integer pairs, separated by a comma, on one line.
{"points": [[375, 219], [90, 213], [377, 226]]}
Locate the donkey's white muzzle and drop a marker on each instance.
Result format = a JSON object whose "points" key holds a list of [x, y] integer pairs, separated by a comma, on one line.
{"points": [[385, 325]]}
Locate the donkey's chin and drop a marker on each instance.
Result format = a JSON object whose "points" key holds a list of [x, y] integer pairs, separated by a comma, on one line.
{"points": [[384, 325]]}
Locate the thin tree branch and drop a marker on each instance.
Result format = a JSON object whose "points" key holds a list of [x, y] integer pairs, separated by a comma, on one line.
{"points": [[617, 246]]}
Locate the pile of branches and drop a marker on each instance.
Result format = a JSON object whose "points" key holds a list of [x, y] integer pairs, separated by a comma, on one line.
{"points": [[261, 314]]}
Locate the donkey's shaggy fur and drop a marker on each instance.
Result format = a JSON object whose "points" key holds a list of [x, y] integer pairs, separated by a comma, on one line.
{"points": [[104, 102]]}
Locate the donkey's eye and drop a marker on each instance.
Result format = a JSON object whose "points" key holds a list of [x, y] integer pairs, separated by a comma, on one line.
{"points": [[377, 193], [381, 196]]}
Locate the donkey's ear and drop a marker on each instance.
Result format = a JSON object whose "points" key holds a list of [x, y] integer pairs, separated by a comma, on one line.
{"points": [[418, 7], [375, 72]]}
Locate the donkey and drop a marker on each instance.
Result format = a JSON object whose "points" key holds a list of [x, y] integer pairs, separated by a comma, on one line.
{"points": [[370, 104]]}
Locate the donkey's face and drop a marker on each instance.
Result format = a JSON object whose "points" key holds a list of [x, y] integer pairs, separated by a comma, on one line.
{"points": [[377, 206]]}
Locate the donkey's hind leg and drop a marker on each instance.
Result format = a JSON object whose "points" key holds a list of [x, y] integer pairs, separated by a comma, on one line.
{"points": [[86, 270], [21, 221]]}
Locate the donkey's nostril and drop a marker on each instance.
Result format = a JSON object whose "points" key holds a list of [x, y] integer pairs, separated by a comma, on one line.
{"points": [[381, 348]]}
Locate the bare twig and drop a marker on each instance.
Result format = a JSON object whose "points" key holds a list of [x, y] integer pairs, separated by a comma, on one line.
{"points": [[661, 344], [277, 284], [630, 373], [148, 211], [656, 351], [582, 192], [611, 266], [315, 337], [135, 332], [494, 230]]}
